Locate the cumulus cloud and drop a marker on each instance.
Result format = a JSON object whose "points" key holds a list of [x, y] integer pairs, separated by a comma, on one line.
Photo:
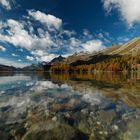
{"points": [[7, 4], [74, 42], [30, 58], [43, 56], [129, 9], [2, 49], [20, 37], [87, 33], [68, 33], [123, 39], [93, 45], [19, 60], [105, 37], [49, 20], [13, 54], [16, 34]]}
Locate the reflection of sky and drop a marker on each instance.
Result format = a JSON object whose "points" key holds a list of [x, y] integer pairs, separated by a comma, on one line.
{"points": [[14, 89], [13, 79], [21, 92], [13, 83]]}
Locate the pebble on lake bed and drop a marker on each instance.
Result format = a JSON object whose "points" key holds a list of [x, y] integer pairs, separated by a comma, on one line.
{"points": [[54, 119]]}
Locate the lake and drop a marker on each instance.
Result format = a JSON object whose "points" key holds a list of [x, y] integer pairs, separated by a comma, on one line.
{"points": [[43, 106]]}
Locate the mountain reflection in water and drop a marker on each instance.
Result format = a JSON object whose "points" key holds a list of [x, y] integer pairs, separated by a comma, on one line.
{"points": [[99, 106]]}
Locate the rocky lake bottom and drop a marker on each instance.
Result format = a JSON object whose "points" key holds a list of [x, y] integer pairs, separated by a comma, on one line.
{"points": [[101, 106]]}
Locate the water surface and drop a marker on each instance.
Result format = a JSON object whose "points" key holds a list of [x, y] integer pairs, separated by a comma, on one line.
{"points": [[100, 106]]}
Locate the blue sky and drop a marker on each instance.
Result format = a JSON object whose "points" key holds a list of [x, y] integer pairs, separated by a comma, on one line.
{"points": [[39, 30]]}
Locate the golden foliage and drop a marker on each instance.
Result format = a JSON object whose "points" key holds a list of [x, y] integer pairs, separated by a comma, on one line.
{"points": [[121, 63]]}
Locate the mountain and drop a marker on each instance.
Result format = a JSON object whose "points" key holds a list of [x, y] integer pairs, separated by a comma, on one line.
{"points": [[33, 67], [109, 50], [130, 48], [78, 57], [7, 68], [56, 60]]}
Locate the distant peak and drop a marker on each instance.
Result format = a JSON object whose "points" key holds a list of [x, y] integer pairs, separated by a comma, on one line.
{"points": [[57, 59], [60, 56]]}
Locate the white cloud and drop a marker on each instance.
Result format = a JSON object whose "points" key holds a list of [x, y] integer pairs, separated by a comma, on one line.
{"points": [[16, 34], [68, 33], [20, 37], [123, 39], [74, 42], [86, 32], [30, 58], [105, 37], [21, 49], [13, 54], [48, 57], [129, 9], [43, 56], [93, 45], [49, 20], [19, 60], [8, 62], [2, 49], [101, 35], [7, 4]]}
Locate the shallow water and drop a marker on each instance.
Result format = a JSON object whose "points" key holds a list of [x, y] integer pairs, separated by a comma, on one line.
{"points": [[100, 106]]}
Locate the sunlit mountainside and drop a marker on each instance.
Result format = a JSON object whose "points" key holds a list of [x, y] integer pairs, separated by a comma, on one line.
{"points": [[132, 48]]}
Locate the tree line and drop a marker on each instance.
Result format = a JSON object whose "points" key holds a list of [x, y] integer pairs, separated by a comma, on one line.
{"points": [[121, 63]]}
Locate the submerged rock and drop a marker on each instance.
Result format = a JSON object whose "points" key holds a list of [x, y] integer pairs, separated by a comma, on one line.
{"points": [[84, 126], [62, 132], [133, 131], [5, 136], [107, 116]]}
